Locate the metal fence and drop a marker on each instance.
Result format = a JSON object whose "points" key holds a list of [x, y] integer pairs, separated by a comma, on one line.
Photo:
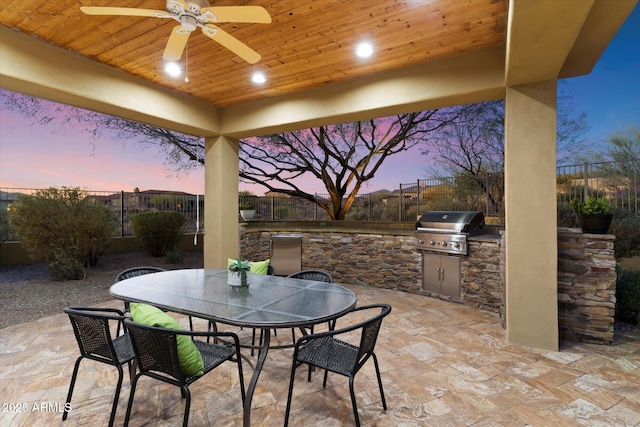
{"points": [[126, 204], [617, 181]]}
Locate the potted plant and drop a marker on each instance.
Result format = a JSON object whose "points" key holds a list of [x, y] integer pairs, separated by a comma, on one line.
{"points": [[238, 270], [595, 214], [247, 205]]}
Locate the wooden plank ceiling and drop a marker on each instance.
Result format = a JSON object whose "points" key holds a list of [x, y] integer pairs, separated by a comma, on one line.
{"points": [[310, 43]]}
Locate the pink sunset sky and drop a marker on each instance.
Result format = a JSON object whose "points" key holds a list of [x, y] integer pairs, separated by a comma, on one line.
{"points": [[43, 156], [39, 156]]}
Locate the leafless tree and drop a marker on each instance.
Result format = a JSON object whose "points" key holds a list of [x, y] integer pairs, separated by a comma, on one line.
{"points": [[471, 148], [182, 152], [343, 156]]}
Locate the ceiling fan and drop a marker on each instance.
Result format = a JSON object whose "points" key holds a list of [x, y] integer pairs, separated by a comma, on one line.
{"points": [[192, 14]]}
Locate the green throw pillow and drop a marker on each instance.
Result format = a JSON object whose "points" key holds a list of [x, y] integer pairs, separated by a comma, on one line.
{"points": [[257, 267], [260, 267], [189, 356]]}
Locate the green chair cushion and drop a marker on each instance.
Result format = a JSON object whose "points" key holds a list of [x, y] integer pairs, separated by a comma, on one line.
{"points": [[189, 356], [257, 267]]}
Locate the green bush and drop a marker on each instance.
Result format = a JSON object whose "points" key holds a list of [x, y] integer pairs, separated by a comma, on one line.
{"points": [[158, 232], [628, 297], [65, 227]]}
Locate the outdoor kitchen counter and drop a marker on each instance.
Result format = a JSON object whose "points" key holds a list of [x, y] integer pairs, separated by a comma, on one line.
{"points": [[489, 237], [347, 227]]}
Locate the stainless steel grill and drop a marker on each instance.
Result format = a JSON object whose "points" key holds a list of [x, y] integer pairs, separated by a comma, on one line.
{"points": [[447, 232]]}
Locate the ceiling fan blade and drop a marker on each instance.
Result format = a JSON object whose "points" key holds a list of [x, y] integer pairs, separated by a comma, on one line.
{"points": [[231, 43], [175, 45], [251, 14], [124, 11]]}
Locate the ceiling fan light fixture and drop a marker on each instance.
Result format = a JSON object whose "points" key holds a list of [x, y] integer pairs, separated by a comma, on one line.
{"points": [[258, 78], [188, 23], [172, 69], [364, 50]]}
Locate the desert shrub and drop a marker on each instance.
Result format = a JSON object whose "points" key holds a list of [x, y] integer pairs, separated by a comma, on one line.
{"points": [[65, 227], [626, 227], [628, 297], [158, 232], [5, 227]]}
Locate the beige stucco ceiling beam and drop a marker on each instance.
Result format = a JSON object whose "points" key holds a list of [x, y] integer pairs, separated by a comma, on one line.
{"points": [[462, 79], [540, 35], [604, 21], [38, 69]]}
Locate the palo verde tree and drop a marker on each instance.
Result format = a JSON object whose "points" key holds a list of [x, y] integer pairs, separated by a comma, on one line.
{"points": [[342, 157]]}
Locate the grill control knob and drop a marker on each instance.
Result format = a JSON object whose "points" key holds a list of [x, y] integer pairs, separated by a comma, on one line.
{"points": [[444, 244], [420, 241], [432, 242], [456, 245]]}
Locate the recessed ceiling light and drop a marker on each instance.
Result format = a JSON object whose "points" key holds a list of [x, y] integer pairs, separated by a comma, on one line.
{"points": [[364, 50], [258, 78], [173, 69]]}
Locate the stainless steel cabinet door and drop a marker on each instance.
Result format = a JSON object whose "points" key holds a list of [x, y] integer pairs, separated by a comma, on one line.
{"points": [[286, 253], [431, 272], [450, 276], [441, 274]]}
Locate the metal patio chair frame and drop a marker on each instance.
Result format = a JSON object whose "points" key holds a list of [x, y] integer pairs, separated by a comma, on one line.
{"points": [[92, 327], [325, 351], [134, 272], [156, 351]]}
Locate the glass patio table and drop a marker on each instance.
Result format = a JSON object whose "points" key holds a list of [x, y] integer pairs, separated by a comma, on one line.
{"points": [[270, 302]]}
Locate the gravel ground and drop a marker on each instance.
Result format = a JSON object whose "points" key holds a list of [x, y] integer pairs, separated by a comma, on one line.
{"points": [[28, 293]]}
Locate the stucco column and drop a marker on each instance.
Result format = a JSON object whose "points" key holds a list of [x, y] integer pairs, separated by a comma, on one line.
{"points": [[531, 224], [221, 201]]}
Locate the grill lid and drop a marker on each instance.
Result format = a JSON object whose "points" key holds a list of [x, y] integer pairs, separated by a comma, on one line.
{"points": [[451, 221]]}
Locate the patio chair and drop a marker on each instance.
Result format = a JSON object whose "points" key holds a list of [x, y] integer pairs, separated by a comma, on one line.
{"points": [[92, 327], [156, 351], [133, 272], [318, 276], [141, 271], [326, 351]]}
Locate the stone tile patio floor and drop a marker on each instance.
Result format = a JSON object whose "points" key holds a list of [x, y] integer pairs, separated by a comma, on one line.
{"points": [[443, 364]]}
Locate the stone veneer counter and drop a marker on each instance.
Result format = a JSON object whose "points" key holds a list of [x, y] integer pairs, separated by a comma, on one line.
{"points": [[384, 255]]}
